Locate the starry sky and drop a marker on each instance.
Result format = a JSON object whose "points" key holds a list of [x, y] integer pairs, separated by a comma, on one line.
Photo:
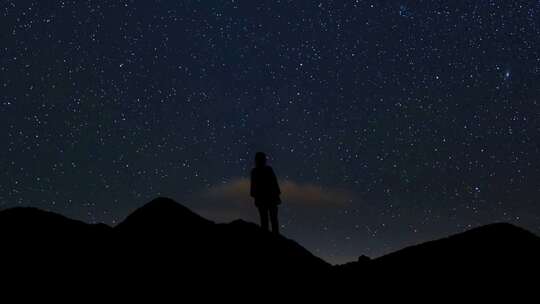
{"points": [[388, 123]]}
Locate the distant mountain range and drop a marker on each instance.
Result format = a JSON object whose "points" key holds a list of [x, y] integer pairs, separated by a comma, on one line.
{"points": [[163, 242]]}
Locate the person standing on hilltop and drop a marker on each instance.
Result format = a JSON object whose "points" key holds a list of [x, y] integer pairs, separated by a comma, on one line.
{"points": [[265, 190]]}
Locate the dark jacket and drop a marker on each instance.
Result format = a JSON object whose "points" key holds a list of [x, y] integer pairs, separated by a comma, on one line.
{"points": [[264, 186]]}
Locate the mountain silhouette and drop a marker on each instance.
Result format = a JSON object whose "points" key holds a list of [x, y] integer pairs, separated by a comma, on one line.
{"points": [[164, 243], [498, 255], [26, 229], [176, 240], [163, 215], [482, 246]]}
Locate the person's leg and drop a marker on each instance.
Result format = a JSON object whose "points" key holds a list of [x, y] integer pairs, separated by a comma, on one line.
{"points": [[263, 213], [274, 218]]}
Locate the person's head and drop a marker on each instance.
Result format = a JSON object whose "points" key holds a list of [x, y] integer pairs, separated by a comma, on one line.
{"points": [[260, 159]]}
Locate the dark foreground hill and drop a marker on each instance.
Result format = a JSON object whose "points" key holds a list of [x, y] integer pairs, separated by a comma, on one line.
{"points": [[165, 244], [492, 260]]}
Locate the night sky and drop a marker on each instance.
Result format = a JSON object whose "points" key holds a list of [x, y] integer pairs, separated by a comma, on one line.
{"points": [[388, 123]]}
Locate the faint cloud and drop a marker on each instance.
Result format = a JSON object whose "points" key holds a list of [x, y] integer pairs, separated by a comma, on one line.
{"points": [[236, 191], [231, 200], [301, 194], [315, 195]]}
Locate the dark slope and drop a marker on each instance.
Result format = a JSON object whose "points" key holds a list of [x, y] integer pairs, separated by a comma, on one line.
{"points": [[502, 248], [484, 246], [173, 239], [162, 242], [163, 215], [495, 255], [28, 225], [165, 244], [36, 245]]}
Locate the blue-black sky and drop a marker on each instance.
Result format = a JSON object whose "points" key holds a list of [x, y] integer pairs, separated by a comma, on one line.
{"points": [[388, 123]]}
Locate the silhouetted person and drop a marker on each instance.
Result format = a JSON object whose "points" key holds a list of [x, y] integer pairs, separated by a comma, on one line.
{"points": [[265, 190]]}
